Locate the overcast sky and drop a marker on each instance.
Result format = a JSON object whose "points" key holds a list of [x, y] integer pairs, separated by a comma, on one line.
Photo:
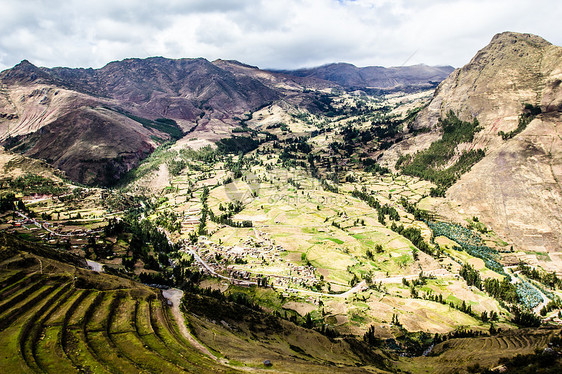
{"points": [[267, 33]]}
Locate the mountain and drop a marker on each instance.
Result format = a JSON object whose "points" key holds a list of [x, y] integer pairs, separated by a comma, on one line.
{"points": [[182, 89], [516, 187], [348, 75], [97, 124]]}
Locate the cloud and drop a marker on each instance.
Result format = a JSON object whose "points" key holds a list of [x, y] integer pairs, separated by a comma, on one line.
{"points": [[266, 33]]}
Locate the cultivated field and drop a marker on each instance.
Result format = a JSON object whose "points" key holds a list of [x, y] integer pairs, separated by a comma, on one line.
{"points": [[457, 354], [55, 318]]}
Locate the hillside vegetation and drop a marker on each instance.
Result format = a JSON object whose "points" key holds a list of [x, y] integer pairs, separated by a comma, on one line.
{"points": [[512, 87], [434, 163]]}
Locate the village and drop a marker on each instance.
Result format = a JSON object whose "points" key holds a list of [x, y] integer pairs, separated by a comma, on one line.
{"points": [[255, 261]]}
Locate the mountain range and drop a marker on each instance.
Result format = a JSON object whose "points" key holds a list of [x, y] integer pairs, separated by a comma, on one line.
{"points": [[97, 124], [349, 75]]}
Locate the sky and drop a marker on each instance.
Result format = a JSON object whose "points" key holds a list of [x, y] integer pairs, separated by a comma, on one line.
{"points": [[271, 34]]}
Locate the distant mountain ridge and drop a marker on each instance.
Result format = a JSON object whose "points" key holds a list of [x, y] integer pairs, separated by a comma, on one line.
{"points": [[348, 75]]}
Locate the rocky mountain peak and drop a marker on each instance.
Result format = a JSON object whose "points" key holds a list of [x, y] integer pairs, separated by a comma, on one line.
{"points": [[514, 37], [24, 73], [510, 47], [513, 72]]}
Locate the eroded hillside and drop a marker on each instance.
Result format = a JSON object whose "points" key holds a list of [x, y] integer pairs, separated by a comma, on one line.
{"points": [[515, 188]]}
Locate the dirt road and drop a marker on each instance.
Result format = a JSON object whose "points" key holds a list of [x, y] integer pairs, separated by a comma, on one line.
{"points": [[174, 296]]}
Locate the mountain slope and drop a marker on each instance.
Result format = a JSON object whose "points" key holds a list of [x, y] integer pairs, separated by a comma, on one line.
{"points": [[516, 187], [180, 89]]}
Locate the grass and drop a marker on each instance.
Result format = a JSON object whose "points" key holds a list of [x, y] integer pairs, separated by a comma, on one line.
{"points": [[150, 339], [335, 240], [50, 355], [300, 221], [299, 225], [266, 297], [48, 325], [257, 337]]}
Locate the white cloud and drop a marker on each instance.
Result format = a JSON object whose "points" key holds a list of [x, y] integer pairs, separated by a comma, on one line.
{"points": [[267, 33]]}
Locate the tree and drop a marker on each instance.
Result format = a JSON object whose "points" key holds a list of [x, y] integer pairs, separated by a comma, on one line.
{"points": [[308, 321]]}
